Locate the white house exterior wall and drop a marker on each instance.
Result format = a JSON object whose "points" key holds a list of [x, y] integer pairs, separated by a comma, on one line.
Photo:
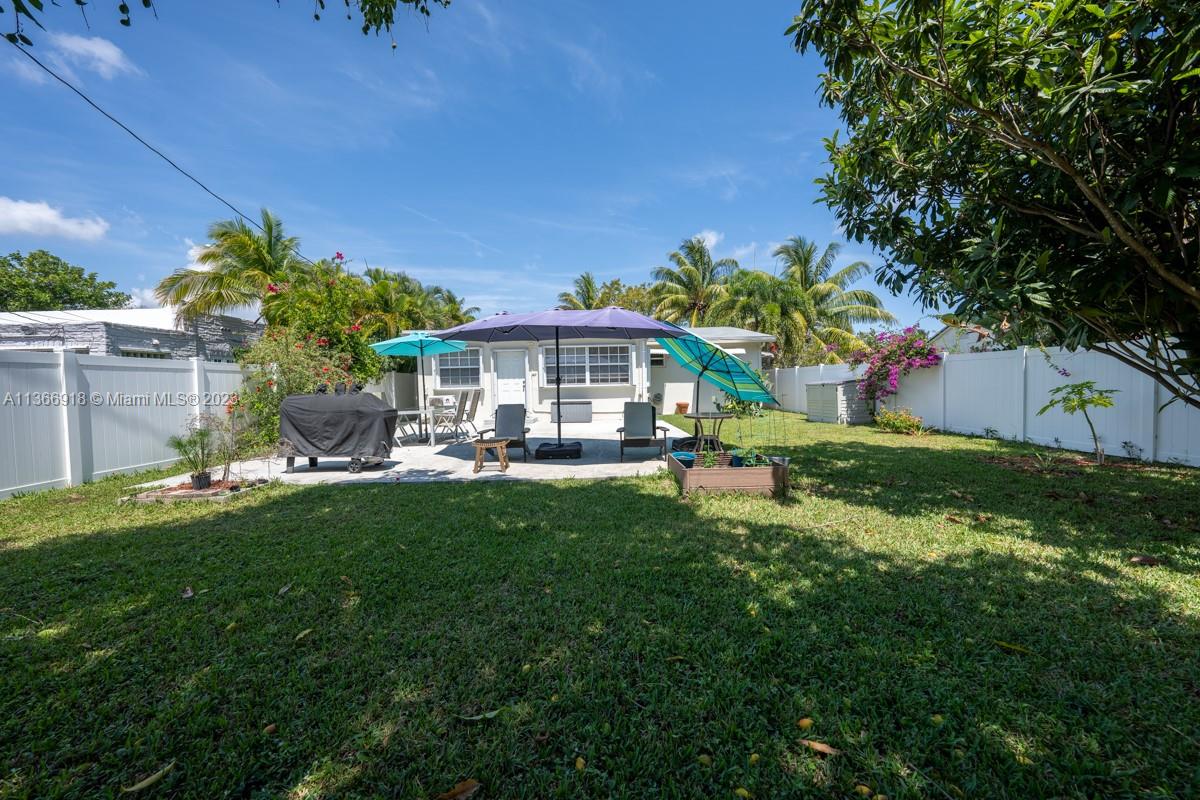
{"points": [[674, 382]]}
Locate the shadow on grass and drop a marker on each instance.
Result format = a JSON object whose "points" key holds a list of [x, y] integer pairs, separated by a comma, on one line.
{"points": [[607, 621], [1079, 509]]}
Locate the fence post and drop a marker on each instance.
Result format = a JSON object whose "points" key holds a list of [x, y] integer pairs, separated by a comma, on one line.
{"points": [[199, 385], [1153, 433], [942, 378], [1024, 394], [68, 377]]}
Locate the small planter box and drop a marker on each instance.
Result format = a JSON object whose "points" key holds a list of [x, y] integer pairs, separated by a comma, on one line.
{"points": [[771, 479]]}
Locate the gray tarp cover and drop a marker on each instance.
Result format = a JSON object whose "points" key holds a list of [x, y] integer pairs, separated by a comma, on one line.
{"points": [[355, 425]]}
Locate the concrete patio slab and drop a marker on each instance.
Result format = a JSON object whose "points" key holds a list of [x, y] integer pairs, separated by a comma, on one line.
{"points": [[420, 463]]}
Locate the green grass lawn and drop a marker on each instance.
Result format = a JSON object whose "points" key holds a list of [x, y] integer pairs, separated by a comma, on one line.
{"points": [[955, 625]]}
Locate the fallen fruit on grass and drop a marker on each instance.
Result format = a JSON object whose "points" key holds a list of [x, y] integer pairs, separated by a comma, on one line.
{"points": [[526, 667], [270, 729], [742, 792], [754, 758], [805, 723], [937, 719], [863, 790], [580, 764], [705, 759]]}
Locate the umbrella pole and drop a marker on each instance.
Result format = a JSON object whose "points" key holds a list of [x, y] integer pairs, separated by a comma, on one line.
{"points": [[558, 383], [421, 399]]}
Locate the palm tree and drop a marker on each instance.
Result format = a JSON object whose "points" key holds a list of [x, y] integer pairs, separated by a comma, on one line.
{"points": [[694, 285], [453, 312], [240, 267], [587, 295], [807, 305], [392, 302]]}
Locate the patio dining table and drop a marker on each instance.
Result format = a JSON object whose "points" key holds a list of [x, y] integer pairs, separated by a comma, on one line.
{"points": [[424, 416], [712, 439]]}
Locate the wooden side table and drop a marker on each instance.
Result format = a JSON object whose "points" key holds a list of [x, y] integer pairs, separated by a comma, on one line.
{"points": [[499, 445]]}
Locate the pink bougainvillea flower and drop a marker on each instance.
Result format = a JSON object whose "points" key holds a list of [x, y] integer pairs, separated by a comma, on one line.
{"points": [[338, 256], [272, 288]]}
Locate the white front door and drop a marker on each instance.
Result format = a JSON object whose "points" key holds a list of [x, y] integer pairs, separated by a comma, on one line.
{"points": [[510, 376]]}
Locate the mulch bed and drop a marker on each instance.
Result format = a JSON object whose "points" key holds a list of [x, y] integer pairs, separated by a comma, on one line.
{"points": [[217, 491], [1063, 464]]}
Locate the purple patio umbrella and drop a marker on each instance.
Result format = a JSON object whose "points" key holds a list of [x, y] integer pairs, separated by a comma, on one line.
{"points": [[556, 324]]}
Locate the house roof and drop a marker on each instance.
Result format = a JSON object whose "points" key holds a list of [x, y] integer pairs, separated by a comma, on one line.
{"points": [[726, 333], [162, 318]]}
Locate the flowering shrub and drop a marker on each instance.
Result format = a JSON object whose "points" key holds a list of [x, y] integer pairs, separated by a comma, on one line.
{"points": [[902, 421], [285, 361], [891, 356]]}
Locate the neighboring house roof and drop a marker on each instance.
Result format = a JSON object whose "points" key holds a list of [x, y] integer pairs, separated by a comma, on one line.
{"points": [[160, 318], [726, 333], [954, 337]]}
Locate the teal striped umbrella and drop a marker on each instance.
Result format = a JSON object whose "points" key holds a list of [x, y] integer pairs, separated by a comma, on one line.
{"points": [[718, 366]]}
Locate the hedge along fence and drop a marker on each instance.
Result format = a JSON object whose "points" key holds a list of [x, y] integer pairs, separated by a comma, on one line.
{"points": [[999, 393]]}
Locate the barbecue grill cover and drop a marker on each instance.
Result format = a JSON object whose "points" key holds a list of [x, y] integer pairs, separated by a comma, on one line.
{"points": [[355, 425]]}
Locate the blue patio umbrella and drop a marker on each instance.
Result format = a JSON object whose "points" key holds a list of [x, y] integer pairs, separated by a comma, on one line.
{"points": [[418, 344], [556, 324]]}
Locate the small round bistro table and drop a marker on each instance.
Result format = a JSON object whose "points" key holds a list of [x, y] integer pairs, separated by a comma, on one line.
{"points": [[712, 439], [499, 445]]}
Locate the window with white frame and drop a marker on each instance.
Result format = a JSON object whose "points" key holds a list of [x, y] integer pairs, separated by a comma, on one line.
{"points": [[462, 370], [588, 365]]}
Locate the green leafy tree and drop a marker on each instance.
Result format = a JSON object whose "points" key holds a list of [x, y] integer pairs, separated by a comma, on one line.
{"points": [[242, 266], [41, 281], [1077, 398], [689, 289], [374, 15], [639, 297], [1037, 163]]}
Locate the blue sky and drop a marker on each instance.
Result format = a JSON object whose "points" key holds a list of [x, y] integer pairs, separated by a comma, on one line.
{"points": [[501, 149]]}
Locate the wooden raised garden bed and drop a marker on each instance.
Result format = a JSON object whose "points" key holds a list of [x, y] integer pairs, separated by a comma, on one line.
{"points": [[770, 479]]}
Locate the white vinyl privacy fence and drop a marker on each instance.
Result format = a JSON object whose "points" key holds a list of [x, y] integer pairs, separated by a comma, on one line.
{"points": [[67, 418], [1000, 393]]}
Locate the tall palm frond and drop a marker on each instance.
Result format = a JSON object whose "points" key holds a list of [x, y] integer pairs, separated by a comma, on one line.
{"points": [[586, 295], [694, 286], [234, 269]]}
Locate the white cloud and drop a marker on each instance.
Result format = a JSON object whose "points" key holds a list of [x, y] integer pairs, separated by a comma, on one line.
{"points": [[39, 219], [68, 55], [26, 71], [745, 251], [726, 176], [143, 298], [711, 238], [94, 54]]}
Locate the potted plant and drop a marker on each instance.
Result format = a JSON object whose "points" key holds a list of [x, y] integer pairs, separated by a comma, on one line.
{"points": [[196, 452], [709, 459], [736, 457]]}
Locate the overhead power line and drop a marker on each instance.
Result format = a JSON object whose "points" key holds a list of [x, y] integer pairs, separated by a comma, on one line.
{"points": [[150, 147]]}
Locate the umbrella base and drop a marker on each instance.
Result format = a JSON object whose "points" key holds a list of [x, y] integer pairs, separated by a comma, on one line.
{"points": [[557, 450]]}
